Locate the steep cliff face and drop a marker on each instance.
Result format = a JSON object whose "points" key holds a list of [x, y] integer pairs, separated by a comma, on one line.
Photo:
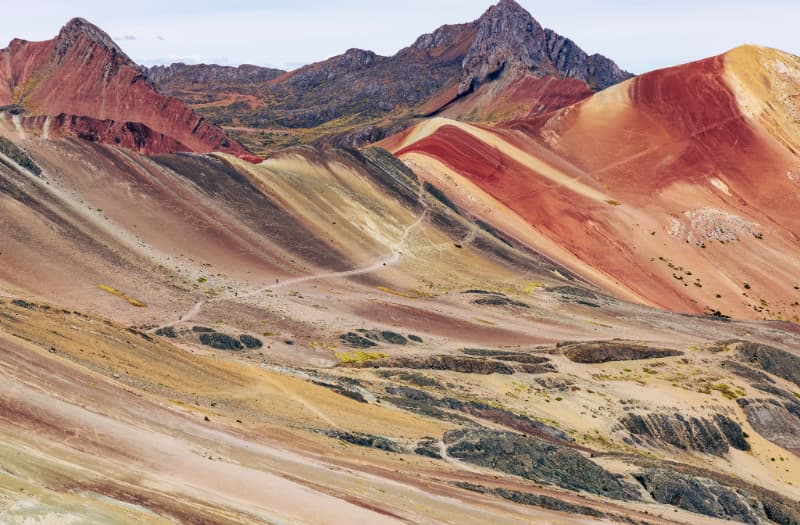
{"points": [[82, 73], [509, 40]]}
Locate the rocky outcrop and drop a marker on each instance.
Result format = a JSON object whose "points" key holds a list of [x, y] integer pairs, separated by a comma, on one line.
{"points": [[464, 365], [573, 292], [421, 401], [220, 341], [606, 351], [711, 436], [428, 448], [180, 74], [508, 39], [537, 460], [85, 79], [773, 360], [698, 495], [749, 373], [383, 336], [499, 300], [250, 342], [354, 340], [365, 440], [501, 355], [536, 500], [774, 422], [168, 332], [18, 156]]}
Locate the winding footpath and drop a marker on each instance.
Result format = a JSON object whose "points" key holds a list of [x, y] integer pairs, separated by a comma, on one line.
{"points": [[393, 258]]}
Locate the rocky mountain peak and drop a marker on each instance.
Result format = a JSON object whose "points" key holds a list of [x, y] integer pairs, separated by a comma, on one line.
{"points": [[508, 8], [80, 30], [509, 38], [91, 89], [507, 35], [356, 58]]}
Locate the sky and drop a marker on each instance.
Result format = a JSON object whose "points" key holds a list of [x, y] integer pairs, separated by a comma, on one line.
{"points": [[640, 35]]}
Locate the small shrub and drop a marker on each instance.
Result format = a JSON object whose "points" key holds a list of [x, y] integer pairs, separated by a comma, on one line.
{"points": [[250, 341]]}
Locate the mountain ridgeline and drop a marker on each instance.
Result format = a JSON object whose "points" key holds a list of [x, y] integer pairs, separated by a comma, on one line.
{"points": [[359, 97]]}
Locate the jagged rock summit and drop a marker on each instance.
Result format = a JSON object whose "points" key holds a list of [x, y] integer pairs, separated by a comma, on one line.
{"points": [[509, 38], [81, 83], [503, 66]]}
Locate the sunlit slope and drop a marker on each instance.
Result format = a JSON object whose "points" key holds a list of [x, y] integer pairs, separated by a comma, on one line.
{"points": [[677, 188], [148, 239]]}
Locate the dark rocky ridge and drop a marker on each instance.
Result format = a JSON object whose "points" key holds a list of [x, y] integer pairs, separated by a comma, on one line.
{"points": [[509, 39], [361, 97], [711, 436], [464, 365], [422, 402], [774, 422], [773, 360], [180, 74], [365, 440], [537, 460], [617, 350], [78, 28], [711, 498], [13, 152]]}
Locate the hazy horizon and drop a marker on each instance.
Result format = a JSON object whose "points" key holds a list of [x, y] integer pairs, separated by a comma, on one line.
{"points": [[640, 35]]}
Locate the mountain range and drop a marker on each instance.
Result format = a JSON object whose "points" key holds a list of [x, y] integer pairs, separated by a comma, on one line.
{"points": [[489, 279], [500, 66]]}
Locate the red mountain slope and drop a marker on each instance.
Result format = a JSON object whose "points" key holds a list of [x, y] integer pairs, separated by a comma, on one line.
{"points": [[83, 78], [678, 188]]}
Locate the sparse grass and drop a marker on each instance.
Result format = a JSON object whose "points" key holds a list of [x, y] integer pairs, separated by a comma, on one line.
{"points": [[413, 294], [727, 391], [202, 280], [113, 291], [612, 202], [359, 356]]}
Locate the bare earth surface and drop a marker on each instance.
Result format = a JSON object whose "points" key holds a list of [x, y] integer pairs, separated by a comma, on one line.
{"points": [[585, 314]]}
